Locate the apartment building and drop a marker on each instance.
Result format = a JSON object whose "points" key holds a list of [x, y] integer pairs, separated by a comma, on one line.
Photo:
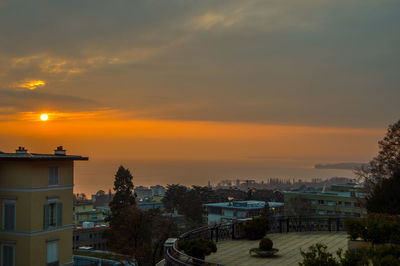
{"points": [[36, 192], [86, 212], [341, 201]]}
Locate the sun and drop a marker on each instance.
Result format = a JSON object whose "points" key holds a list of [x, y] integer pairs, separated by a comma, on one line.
{"points": [[44, 117]]}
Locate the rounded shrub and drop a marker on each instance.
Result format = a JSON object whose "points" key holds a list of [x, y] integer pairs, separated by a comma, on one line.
{"points": [[198, 248], [257, 228], [266, 244]]}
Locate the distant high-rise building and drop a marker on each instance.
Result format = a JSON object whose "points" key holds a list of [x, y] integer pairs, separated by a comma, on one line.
{"points": [[158, 190], [36, 193]]}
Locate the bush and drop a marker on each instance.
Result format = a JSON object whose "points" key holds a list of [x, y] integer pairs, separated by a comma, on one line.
{"points": [[386, 255], [257, 228], [354, 228], [376, 228], [198, 248], [318, 255], [265, 244], [357, 257], [264, 249]]}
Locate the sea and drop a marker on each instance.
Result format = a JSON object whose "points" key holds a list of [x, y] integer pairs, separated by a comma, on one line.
{"points": [[99, 174]]}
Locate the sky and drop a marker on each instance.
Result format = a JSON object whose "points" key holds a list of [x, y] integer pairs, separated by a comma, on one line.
{"points": [[269, 80]]}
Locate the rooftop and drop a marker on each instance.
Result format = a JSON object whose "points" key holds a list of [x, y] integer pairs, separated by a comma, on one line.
{"points": [[244, 205], [21, 154], [236, 252], [327, 193]]}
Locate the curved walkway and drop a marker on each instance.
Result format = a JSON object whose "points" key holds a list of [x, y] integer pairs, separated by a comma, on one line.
{"points": [[236, 252]]}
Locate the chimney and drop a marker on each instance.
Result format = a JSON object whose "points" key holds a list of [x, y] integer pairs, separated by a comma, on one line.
{"points": [[59, 151], [21, 150]]}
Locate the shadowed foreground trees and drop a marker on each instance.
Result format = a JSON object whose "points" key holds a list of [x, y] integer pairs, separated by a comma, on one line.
{"points": [[382, 176], [387, 162], [384, 197], [133, 232]]}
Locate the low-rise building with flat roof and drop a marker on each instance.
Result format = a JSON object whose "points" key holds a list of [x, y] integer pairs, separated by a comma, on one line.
{"points": [[90, 235], [228, 211]]}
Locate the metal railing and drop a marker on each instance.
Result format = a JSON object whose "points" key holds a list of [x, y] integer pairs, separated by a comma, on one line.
{"points": [[234, 230]]}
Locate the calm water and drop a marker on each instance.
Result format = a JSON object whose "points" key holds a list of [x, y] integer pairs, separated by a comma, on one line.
{"points": [[99, 174]]}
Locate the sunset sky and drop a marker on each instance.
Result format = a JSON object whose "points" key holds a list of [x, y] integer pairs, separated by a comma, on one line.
{"points": [[281, 80]]}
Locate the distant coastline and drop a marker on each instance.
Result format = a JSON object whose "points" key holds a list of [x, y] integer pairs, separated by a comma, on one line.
{"points": [[341, 166]]}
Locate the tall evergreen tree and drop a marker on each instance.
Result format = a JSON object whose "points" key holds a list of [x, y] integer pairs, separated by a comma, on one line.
{"points": [[123, 198]]}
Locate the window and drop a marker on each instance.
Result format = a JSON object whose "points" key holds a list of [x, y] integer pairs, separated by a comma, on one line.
{"points": [[321, 202], [9, 212], [53, 175], [347, 204], [330, 203], [52, 215], [52, 253], [7, 255]]}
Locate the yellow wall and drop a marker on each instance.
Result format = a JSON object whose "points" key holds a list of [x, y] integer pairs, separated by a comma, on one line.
{"points": [[31, 251], [34, 173], [83, 207], [30, 207], [29, 237]]}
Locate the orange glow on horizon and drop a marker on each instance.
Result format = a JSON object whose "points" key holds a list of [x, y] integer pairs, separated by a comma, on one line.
{"points": [[124, 137]]}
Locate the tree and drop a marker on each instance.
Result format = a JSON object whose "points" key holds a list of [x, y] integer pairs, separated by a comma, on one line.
{"points": [[381, 176], [192, 206], [384, 197], [174, 197], [188, 202], [386, 162], [133, 232], [142, 234], [80, 197], [257, 227], [123, 198]]}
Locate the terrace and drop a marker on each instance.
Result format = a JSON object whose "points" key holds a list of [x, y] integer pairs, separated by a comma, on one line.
{"points": [[236, 252], [289, 234]]}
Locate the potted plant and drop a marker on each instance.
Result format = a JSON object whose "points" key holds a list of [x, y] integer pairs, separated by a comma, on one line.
{"points": [[265, 248]]}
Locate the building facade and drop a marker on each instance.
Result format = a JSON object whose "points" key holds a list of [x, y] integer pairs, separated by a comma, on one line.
{"points": [[325, 203], [228, 211], [90, 236], [85, 212], [36, 192]]}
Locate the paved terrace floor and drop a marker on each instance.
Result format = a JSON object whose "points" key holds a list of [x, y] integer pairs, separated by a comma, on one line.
{"points": [[236, 252]]}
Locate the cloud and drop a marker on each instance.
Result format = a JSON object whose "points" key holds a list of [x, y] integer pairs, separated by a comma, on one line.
{"points": [[31, 84], [308, 62], [13, 102]]}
